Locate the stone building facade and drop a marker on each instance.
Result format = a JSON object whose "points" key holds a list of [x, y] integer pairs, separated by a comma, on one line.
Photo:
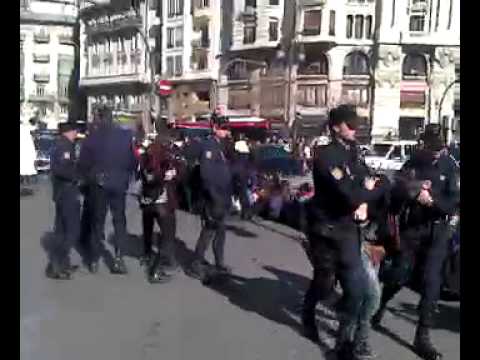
{"points": [[47, 58]]}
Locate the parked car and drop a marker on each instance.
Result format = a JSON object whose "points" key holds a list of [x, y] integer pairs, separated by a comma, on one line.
{"points": [[275, 159], [389, 155]]}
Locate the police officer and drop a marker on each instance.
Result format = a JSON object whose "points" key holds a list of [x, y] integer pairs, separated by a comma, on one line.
{"points": [[427, 194], [66, 196], [107, 161], [342, 191], [216, 191]]}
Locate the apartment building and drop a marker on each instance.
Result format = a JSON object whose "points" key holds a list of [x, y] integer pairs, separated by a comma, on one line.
{"points": [[47, 58], [294, 60], [119, 46], [189, 53], [419, 61]]}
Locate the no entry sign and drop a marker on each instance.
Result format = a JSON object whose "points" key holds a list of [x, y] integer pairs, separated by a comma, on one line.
{"points": [[164, 87]]}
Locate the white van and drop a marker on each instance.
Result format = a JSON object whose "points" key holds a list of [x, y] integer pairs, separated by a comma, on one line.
{"points": [[389, 155]]}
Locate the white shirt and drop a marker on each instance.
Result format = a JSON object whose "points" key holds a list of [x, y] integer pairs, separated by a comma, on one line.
{"points": [[241, 146]]}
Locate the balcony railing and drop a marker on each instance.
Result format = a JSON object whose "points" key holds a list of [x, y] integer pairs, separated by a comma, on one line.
{"points": [[41, 78], [50, 98], [41, 58], [314, 2], [66, 40], [42, 38], [133, 22]]}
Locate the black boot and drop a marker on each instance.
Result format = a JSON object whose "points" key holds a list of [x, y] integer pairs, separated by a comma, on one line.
{"points": [[346, 332], [309, 323], [423, 345], [119, 266], [55, 272], [310, 330], [361, 344], [157, 275], [198, 269], [378, 317], [93, 267], [146, 259]]}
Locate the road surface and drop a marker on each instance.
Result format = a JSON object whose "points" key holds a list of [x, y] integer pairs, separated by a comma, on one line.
{"points": [[252, 317]]}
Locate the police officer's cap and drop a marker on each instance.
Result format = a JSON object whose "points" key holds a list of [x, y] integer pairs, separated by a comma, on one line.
{"points": [[343, 114], [67, 126]]}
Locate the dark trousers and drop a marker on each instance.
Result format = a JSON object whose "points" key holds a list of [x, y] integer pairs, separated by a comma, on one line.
{"points": [[115, 201], [336, 254], [67, 225], [213, 228], [426, 244], [165, 219]]}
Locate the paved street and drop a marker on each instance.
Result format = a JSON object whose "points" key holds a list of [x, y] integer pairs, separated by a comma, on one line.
{"points": [[252, 317]]}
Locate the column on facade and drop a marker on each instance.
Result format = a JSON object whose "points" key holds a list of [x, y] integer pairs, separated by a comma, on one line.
{"points": [[443, 74], [386, 105], [255, 92], [336, 56]]}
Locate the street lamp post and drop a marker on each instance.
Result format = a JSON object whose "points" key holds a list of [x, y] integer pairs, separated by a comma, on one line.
{"points": [[445, 127]]}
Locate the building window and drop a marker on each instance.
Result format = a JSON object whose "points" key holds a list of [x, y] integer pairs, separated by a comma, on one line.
{"points": [[273, 30], [317, 64], [251, 3], [356, 63], [170, 66], [312, 95], [249, 33], [417, 23], [358, 26], [179, 7], [331, 25], [237, 71], [170, 38], [178, 65], [368, 27], [201, 4], [171, 8], [64, 109], [349, 26], [179, 36], [355, 94], [40, 90], [274, 2], [414, 66], [312, 22]]}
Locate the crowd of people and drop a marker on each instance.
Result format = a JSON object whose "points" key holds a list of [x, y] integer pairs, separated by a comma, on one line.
{"points": [[351, 217]]}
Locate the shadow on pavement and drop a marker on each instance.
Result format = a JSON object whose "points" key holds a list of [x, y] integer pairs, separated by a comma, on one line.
{"points": [[48, 241], [240, 232], [384, 331], [448, 317], [133, 246]]}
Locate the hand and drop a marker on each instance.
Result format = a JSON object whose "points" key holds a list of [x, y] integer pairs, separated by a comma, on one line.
{"points": [[425, 198], [427, 185], [361, 213], [170, 174], [370, 183]]}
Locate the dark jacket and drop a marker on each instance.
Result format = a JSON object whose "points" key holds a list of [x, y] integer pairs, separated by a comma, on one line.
{"points": [[107, 158], [339, 183], [63, 167], [444, 190]]}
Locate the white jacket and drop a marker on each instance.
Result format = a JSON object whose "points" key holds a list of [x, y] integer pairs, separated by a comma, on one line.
{"points": [[28, 154]]}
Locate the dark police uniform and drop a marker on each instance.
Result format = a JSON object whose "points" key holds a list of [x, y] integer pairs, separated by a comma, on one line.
{"points": [[107, 160], [66, 196], [216, 192], [334, 238], [424, 236]]}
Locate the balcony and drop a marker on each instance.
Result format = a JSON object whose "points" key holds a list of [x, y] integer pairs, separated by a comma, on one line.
{"points": [[41, 58], [127, 23], [66, 40], [314, 2], [48, 98], [42, 78], [249, 14], [419, 6], [41, 38]]}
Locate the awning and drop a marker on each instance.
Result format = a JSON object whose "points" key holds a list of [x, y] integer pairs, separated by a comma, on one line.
{"points": [[413, 86], [412, 97]]}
